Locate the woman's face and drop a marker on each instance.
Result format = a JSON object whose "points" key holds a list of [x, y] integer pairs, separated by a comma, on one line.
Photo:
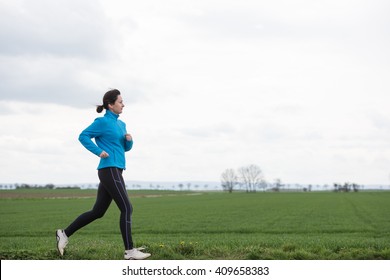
{"points": [[117, 107]]}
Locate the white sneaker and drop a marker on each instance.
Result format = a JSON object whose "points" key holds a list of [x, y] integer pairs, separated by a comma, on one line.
{"points": [[134, 254], [62, 241]]}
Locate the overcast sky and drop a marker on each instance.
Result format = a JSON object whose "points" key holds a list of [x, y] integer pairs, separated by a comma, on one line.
{"points": [[300, 88]]}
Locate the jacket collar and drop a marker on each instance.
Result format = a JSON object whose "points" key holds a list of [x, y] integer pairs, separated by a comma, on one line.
{"points": [[111, 114]]}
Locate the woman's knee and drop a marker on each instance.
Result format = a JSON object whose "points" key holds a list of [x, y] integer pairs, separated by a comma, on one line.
{"points": [[98, 213], [127, 210]]}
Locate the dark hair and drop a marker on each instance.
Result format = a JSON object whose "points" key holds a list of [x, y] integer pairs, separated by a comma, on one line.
{"points": [[109, 98]]}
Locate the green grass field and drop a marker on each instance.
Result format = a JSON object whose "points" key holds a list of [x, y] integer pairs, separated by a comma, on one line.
{"points": [[185, 225]]}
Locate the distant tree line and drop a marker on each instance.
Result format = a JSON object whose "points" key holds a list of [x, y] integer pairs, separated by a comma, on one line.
{"points": [[249, 177], [346, 187], [27, 186], [181, 186], [36, 186]]}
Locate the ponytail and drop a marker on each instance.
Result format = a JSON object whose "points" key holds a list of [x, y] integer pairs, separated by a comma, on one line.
{"points": [[99, 108]]}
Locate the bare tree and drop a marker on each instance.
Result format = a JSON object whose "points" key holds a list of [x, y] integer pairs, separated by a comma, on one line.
{"points": [[229, 180], [278, 185], [181, 186], [251, 177]]}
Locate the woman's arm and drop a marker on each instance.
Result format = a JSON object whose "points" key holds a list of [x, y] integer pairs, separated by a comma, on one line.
{"points": [[92, 131]]}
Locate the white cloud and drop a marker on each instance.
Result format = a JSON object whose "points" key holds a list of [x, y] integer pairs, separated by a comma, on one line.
{"points": [[63, 28], [299, 88]]}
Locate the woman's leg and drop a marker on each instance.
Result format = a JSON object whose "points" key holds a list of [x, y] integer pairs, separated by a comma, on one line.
{"points": [[103, 201], [114, 184]]}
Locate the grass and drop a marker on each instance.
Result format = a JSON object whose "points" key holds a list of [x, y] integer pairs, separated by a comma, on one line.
{"points": [[185, 225]]}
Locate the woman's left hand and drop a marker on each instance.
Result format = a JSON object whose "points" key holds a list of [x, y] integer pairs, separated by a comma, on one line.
{"points": [[128, 137]]}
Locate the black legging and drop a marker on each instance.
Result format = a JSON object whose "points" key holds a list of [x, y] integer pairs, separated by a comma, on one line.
{"points": [[111, 187]]}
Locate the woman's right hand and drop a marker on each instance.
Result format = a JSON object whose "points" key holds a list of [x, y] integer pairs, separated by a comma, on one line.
{"points": [[104, 155]]}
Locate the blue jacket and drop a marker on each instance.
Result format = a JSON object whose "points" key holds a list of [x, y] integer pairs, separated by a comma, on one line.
{"points": [[109, 134]]}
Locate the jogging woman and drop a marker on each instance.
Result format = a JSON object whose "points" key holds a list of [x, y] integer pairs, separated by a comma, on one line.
{"points": [[111, 143]]}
